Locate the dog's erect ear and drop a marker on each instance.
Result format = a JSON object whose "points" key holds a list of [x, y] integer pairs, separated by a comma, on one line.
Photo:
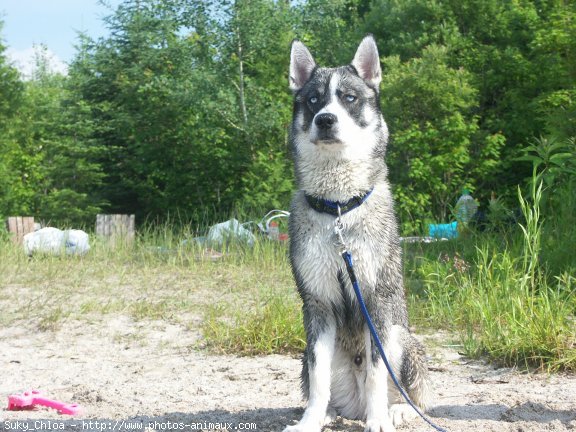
{"points": [[367, 62], [302, 65]]}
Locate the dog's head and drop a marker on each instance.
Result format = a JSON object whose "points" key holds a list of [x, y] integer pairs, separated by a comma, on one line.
{"points": [[336, 110]]}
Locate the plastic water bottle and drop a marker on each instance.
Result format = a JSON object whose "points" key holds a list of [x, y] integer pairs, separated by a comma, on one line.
{"points": [[466, 207], [274, 231]]}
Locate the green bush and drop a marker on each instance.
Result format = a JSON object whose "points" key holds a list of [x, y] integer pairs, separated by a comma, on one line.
{"points": [[501, 298]]}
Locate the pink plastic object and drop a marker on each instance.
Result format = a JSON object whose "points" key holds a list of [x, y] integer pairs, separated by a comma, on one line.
{"points": [[31, 398]]}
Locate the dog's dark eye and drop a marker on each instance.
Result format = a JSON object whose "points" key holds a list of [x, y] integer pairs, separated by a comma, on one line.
{"points": [[350, 98], [313, 100]]}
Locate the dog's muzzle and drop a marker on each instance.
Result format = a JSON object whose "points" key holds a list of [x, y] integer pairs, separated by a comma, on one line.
{"points": [[325, 121], [326, 124]]}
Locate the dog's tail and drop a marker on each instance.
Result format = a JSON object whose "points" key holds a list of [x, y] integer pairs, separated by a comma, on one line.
{"points": [[414, 375]]}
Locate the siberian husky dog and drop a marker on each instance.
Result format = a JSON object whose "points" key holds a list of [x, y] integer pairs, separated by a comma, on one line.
{"points": [[338, 138]]}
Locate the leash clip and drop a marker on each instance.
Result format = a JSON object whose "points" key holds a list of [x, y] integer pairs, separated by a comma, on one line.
{"points": [[338, 229]]}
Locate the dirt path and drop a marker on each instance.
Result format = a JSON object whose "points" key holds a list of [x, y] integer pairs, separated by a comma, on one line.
{"points": [[136, 376]]}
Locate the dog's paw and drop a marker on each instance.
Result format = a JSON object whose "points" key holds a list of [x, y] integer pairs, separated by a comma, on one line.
{"points": [[331, 415], [401, 413], [379, 425], [299, 427]]}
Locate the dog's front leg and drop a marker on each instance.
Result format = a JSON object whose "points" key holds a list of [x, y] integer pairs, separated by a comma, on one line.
{"points": [[320, 350], [377, 418]]}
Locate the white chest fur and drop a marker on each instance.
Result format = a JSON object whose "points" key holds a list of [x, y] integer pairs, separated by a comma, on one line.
{"points": [[319, 260]]}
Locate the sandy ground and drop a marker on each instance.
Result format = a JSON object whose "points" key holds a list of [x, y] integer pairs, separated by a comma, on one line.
{"points": [[151, 376]]}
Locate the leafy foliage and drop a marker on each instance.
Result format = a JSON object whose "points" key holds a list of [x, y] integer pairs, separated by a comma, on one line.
{"points": [[49, 159], [184, 105], [517, 56], [182, 112], [499, 294], [435, 135], [11, 90]]}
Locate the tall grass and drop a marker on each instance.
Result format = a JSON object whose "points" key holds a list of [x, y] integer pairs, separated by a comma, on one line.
{"points": [[162, 275], [502, 300], [510, 296], [273, 325]]}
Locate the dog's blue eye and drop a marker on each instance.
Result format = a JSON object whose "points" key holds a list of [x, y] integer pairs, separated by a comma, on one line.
{"points": [[313, 100], [350, 98]]}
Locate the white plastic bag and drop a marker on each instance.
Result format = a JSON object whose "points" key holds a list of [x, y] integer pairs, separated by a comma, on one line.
{"points": [[229, 231], [76, 242], [54, 241]]}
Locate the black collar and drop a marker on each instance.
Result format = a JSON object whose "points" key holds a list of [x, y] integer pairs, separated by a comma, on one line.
{"points": [[331, 207]]}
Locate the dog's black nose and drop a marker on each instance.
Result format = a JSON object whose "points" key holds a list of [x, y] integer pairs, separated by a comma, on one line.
{"points": [[325, 121]]}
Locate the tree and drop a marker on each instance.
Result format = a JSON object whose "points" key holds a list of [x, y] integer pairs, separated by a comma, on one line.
{"points": [[11, 93], [256, 67], [430, 110], [51, 153], [554, 50], [191, 104], [519, 58], [330, 28], [150, 94]]}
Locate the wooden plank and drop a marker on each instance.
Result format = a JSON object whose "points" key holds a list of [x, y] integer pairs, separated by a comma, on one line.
{"points": [[107, 220], [132, 227], [110, 223], [12, 229], [99, 224], [103, 225], [119, 225], [19, 226], [116, 226], [12, 225], [28, 223]]}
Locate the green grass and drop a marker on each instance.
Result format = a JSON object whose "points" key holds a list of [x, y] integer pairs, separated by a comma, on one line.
{"points": [[499, 316], [273, 325], [155, 278], [497, 291]]}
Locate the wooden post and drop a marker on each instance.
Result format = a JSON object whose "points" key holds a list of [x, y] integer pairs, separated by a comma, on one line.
{"points": [[19, 226], [116, 227]]}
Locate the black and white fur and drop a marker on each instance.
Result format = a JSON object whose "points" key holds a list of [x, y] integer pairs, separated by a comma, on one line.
{"points": [[338, 138]]}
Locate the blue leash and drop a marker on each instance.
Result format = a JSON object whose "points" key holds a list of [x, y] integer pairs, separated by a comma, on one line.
{"points": [[350, 268]]}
